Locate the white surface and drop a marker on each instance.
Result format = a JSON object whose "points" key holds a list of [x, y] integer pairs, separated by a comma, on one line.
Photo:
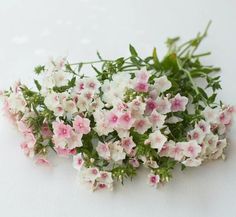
{"points": [[33, 30]]}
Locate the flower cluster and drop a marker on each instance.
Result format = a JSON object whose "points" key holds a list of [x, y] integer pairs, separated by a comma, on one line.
{"points": [[135, 112]]}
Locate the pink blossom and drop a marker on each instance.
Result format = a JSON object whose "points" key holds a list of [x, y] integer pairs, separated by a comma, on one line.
{"points": [[141, 125], [176, 152], [157, 140], [42, 161], [78, 161], [178, 103], [167, 148], [74, 141], [153, 179], [163, 105], [157, 119], [191, 149], [128, 144], [143, 75], [63, 152], [61, 130], [162, 84], [225, 117], [112, 118], [134, 162], [46, 131], [192, 162], [141, 87], [197, 134], [103, 150], [30, 139], [29, 151], [125, 120], [204, 126], [150, 105], [81, 125]]}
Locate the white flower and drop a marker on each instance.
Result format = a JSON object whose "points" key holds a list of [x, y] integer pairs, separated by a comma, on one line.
{"points": [[157, 140], [197, 134], [153, 179], [141, 125], [16, 103], [210, 143], [117, 151], [163, 105], [211, 115], [204, 126], [192, 162], [157, 119], [162, 84]]}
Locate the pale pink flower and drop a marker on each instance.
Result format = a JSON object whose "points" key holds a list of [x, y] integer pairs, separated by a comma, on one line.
{"points": [[30, 139], [141, 125], [105, 180], [191, 149], [197, 134], [128, 144], [74, 141], [29, 151], [178, 103], [153, 179], [157, 119], [192, 162], [157, 140], [162, 84], [150, 105], [23, 127], [62, 152], [81, 125], [46, 131], [61, 130], [117, 151], [176, 152], [143, 75], [141, 87], [204, 126], [126, 120], [167, 149], [163, 105], [103, 150], [211, 115], [137, 107], [92, 84], [78, 161], [225, 117], [134, 162], [112, 118], [91, 174]]}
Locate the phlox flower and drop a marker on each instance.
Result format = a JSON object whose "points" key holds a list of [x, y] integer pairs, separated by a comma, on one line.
{"points": [[103, 150], [126, 120], [16, 103], [178, 103], [117, 151], [143, 75], [163, 105], [192, 162], [141, 87], [197, 134], [211, 115], [61, 130], [191, 148], [157, 140], [128, 144], [150, 105], [153, 179], [141, 125], [204, 126], [157, 119], [162, 84], [81, 125], [78, 161], [167, 149]]}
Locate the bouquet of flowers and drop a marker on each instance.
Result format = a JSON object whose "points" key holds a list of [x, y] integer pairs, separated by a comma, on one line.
{"points": [[135, 112]]}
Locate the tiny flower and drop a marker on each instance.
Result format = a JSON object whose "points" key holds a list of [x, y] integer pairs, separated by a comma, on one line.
{"points": [[178, 103], [81, 125], [103, 150], [157, 140], [191, 149], [153, 179], [128, 144], [78, 161], [162, 84], [61, 130], [134, 162], [141, 125]]}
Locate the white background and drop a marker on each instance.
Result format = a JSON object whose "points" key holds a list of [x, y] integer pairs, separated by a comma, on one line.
{"points": [[31, 31]]}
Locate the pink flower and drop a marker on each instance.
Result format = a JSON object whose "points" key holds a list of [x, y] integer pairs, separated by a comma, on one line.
{"points": [[81, 125], [157, 140], [30, 139], [192, 162], [61, 130], [143, 75], [157, 119], [29, 151], [191, 149], [141, 87], [126, 121], [204, 126], [153, 179], [112, 118], [134, 162], [178, 103], [141, 125], [46, 131], [150, 105], [163, 105], [74, 141], [63, 152], [167, 148], [225, 117], [78, 161], [128, 144], [197, 134], [176, 152], [162, 84], [103, 150]]}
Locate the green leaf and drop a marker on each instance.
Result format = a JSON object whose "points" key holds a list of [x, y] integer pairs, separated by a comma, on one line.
{"points": [[133, 51], [155, 58], [39, 87]]}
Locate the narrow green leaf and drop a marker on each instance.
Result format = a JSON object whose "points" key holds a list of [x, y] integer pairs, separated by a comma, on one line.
{"points": [[133, 51]]}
